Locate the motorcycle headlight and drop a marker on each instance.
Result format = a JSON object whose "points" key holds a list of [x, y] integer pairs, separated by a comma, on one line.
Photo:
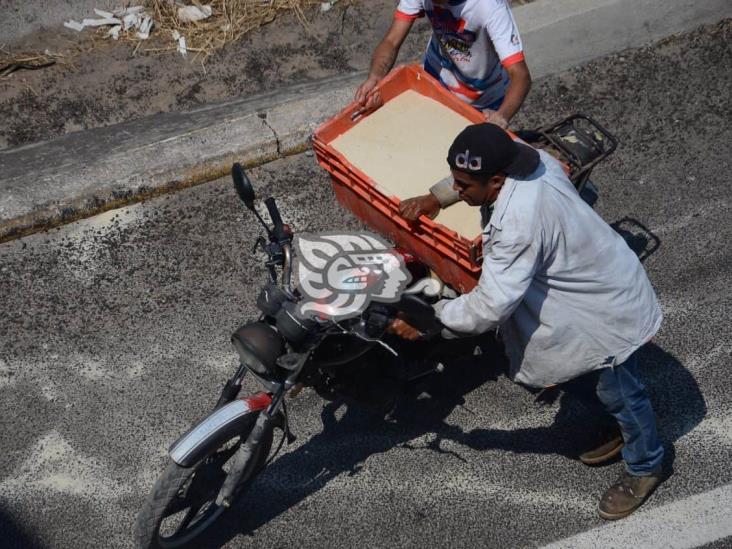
{"points": [[258, 345]]}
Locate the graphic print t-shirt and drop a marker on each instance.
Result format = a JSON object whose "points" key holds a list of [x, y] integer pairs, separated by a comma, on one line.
{"points": [[472, 43]]}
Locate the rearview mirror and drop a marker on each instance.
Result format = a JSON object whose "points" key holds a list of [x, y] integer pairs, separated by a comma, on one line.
{"points": [[242, 185]]}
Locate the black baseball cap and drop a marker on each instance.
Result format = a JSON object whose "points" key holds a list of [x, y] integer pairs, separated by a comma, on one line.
{"points": [[486, 149]]}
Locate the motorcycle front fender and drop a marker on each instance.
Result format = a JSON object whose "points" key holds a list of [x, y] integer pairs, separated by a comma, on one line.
{"points": [[236, 417]]}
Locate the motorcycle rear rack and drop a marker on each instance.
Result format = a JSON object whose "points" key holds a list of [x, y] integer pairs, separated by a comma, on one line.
{"points": [[578, 140]]}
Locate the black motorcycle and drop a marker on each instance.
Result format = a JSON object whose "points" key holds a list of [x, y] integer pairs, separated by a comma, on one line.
{"points": [[214, 462]]}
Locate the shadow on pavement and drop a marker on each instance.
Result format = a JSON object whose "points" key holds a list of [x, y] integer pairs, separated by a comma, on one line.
{"points": [[674, 393], [13, 535], [351, 434], [640, 239]]}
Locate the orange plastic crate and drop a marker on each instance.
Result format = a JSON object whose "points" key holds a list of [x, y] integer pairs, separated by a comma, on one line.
{"points": [[455, 259]]}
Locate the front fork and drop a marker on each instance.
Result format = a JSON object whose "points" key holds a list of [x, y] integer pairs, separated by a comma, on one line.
{"points": [[232, 387], [265, 421], [246, 451]]}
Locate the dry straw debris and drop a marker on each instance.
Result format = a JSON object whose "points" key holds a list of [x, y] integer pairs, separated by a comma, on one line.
{"points": [[13, 61], [225, 21], [228, 22]]}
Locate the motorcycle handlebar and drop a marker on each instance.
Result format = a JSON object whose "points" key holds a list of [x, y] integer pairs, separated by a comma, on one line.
{"points": [[278, 232], [418, 313]]}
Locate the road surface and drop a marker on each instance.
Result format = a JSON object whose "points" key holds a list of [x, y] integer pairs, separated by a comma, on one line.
{"points": [[114, 338]]}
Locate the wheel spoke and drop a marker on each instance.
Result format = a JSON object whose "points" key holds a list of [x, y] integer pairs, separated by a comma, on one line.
{"points": [[189, 516], [177, 505]]}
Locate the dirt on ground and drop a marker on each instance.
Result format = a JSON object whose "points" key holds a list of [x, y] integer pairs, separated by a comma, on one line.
{"points": [[109, 84]]}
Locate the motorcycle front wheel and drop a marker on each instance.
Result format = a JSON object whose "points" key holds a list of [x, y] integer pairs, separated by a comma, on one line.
{"points": [[182, 504]]}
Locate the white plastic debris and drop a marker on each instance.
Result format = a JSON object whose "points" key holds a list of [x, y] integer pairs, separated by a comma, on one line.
{"points": [[130, 21], [135, 18], [73, 25], [129, 11], [182, 46], [126, 19], [145, 26], [104, 14], [189, 14], [114, 32], [101, 22], [181, 43], [325, 6]]}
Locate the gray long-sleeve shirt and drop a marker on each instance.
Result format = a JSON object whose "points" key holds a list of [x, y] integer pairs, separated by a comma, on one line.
{"points": [[568, 293]]}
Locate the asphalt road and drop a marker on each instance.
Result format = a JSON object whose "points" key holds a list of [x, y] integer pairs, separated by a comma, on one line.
{"points": [[114, 338]]}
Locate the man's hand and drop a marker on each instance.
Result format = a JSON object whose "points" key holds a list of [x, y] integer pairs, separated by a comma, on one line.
{"points": [[368, 95], [494, 117], [411, 208], [403, 330]]}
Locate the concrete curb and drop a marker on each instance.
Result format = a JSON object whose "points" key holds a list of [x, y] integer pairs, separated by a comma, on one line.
{"points": [[85, 173]]}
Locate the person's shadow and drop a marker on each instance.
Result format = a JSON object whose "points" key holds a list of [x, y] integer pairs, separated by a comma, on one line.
{"points": [[674, 393], [351, 434]]}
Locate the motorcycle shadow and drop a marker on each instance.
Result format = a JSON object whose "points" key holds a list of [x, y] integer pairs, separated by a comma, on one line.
{"points": [[351, 433]]}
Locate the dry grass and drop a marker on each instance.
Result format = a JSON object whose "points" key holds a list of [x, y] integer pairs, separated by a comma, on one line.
{"points": [[12, 61], [230, 20]]}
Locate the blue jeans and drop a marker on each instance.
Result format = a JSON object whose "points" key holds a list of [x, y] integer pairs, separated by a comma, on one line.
{"points": [[617, 393]]}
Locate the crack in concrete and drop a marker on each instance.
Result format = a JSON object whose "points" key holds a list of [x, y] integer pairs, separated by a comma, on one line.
{"points": [[263, 116]]}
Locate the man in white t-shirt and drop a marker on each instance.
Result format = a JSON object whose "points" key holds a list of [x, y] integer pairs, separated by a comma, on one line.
{"points": [[475, 52]]}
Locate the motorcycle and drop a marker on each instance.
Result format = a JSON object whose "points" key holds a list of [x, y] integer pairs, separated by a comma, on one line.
{"points": [[213, 464]]}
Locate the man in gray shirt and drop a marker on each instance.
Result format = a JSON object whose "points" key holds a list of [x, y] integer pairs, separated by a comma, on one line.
{"points": [[571, 300]]}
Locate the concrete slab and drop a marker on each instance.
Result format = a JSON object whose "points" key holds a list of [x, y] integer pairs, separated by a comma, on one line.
{"points": [[294, 122], [82, 174]]}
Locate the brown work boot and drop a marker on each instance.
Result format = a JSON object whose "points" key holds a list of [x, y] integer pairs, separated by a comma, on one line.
{"points": [[626, 495], [609, 444]]}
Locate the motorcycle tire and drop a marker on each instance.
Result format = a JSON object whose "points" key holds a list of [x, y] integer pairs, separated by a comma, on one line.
{"points": [[199, 486]]}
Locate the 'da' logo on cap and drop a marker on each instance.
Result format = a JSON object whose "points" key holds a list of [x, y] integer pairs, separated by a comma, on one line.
{"points": [[466, 162]]}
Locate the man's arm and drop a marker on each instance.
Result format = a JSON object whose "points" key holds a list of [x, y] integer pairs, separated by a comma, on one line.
{"points": [[508, 268], [382, 61], [518, 88], [507, 43], [441, 195]]}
